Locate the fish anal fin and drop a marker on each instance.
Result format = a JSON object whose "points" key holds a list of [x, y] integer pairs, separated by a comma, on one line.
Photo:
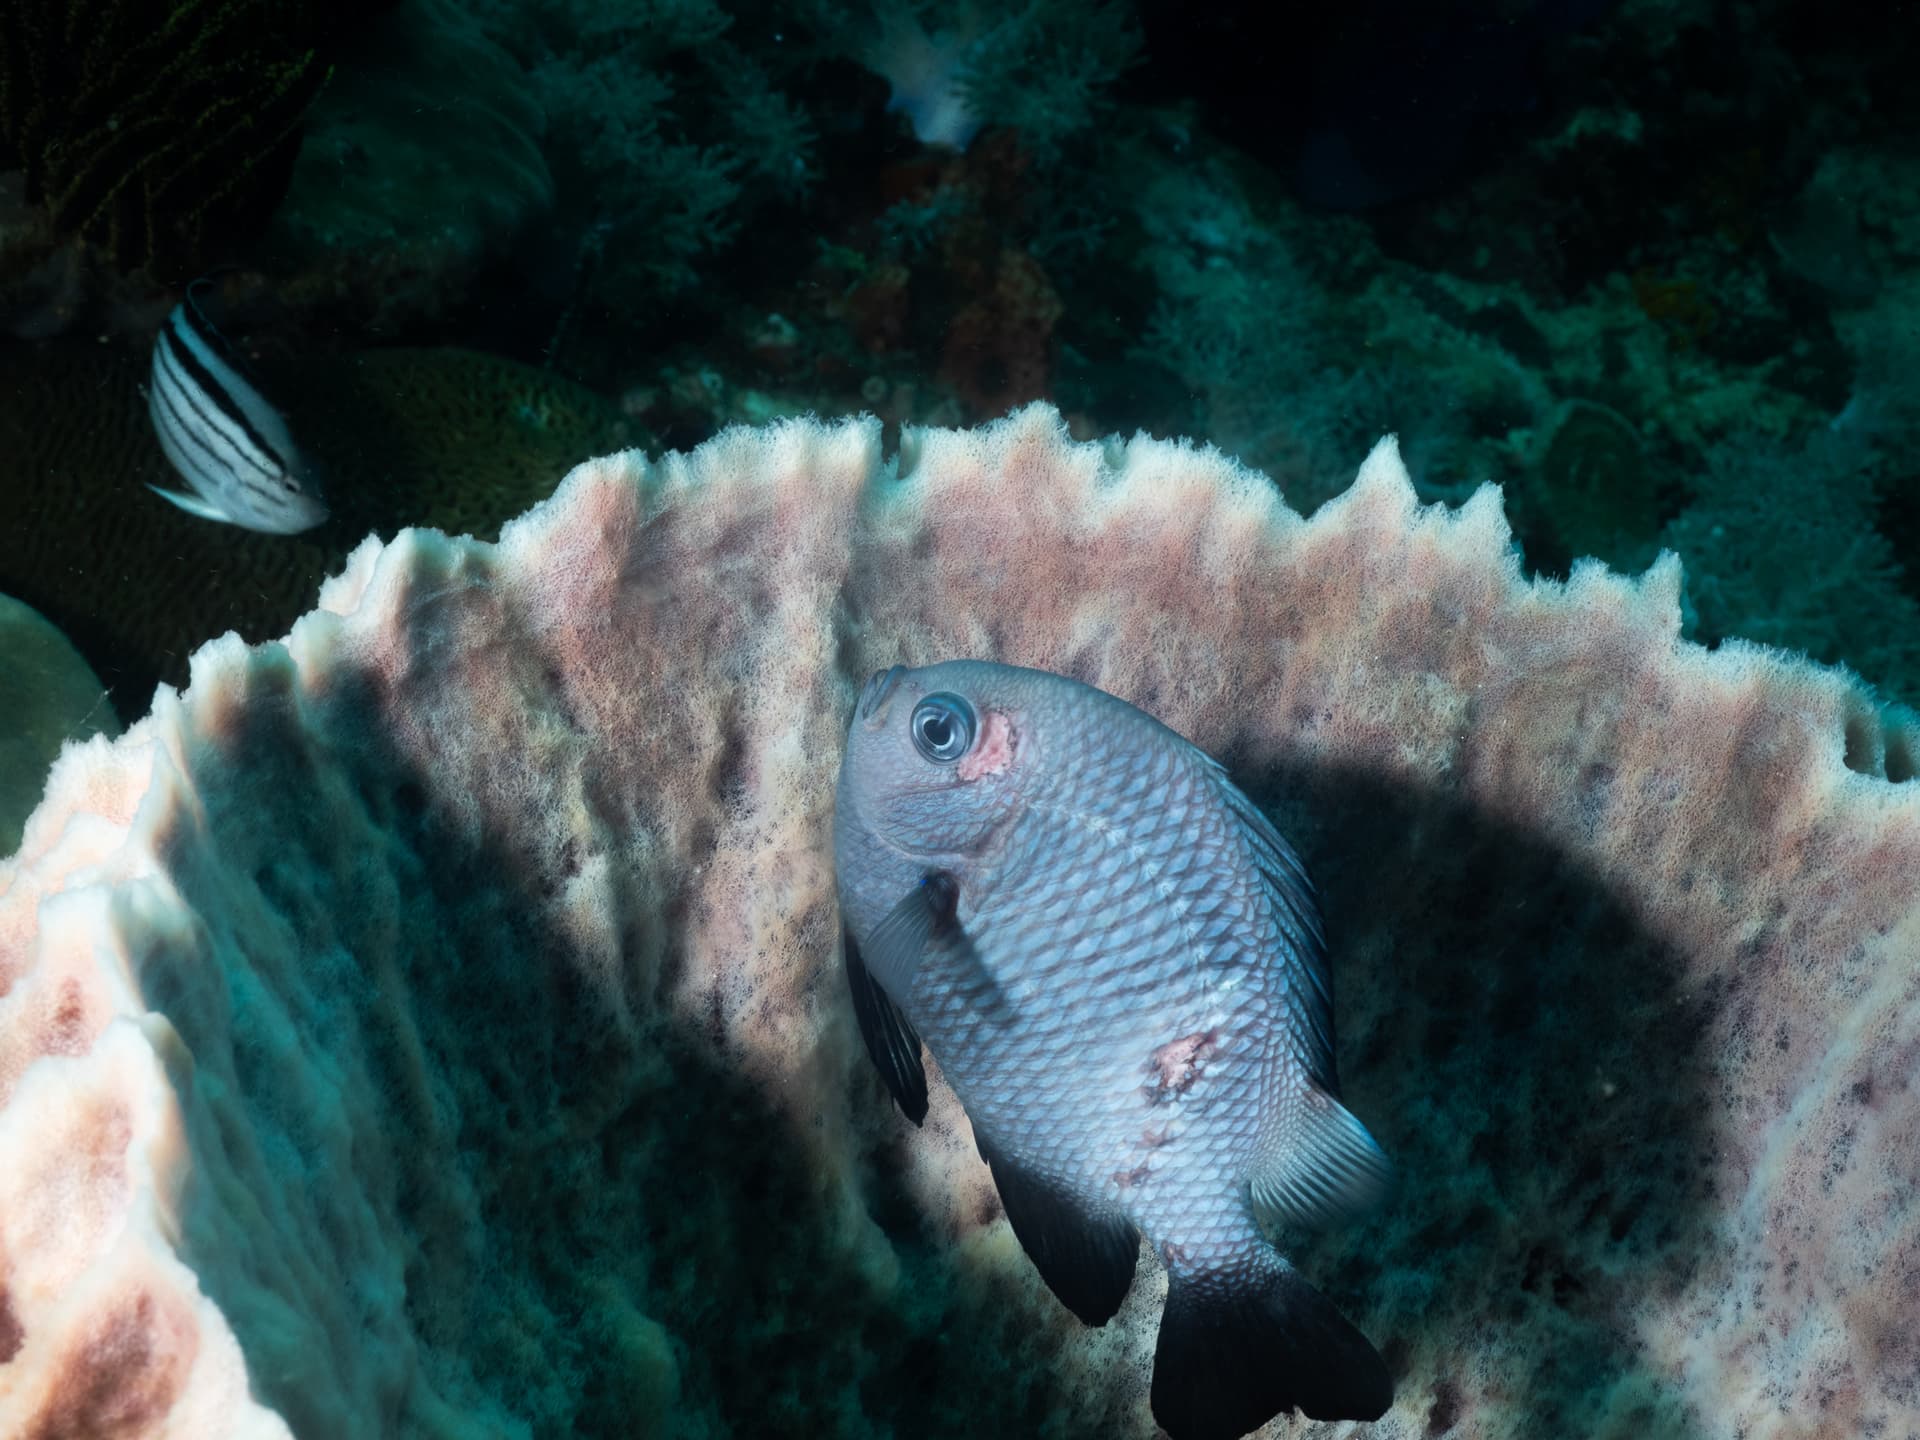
{"points": [[193, 505], [1086, 1258], [1236, 1349], [892, 1042], [1317, 1164]]}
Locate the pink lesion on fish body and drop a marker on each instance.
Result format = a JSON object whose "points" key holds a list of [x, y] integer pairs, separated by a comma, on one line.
{"points": [[1175, 1067], [992, 750], [1141, 1153]]}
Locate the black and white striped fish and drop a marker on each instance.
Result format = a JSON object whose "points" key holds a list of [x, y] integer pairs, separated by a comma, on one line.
{"points": [[228, 443]]}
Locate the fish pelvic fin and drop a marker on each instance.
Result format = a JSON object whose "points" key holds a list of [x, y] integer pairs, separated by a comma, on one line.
{"points": [[1238, 1348], [1317, 1164], [194, 505], [892, 1042], [1085, 1257]]}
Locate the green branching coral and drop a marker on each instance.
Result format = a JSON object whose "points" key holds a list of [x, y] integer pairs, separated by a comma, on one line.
{"points": [[1782, 547], [161, 129], [666, 130]]}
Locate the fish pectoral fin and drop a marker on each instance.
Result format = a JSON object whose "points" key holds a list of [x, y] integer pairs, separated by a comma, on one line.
{"points": [[899, 942], [1317, 1164], [891, 1039], [193, 505], [1085, 1257], [1237, 1348]]}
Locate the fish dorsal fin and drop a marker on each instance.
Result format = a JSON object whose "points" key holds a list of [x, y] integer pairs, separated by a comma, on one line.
{"points": [[215, 371], [1295, 907], [1316, 1164], [892, 1041], [205, 330], [1085, 1257]]}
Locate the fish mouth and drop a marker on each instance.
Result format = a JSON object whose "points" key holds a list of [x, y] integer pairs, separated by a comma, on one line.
{"points": [[878, 688]]}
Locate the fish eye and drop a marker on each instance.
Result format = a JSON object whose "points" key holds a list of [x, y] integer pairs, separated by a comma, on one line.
{"points": [[943, 728]]}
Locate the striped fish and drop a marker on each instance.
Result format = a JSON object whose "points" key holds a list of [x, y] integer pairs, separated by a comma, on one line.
{"points": [[228, 443]]}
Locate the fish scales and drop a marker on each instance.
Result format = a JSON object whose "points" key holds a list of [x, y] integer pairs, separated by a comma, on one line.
{"points": [[1120, 966]]}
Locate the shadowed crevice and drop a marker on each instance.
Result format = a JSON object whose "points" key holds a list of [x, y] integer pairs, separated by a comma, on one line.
{"points": [[1529, 1057]]}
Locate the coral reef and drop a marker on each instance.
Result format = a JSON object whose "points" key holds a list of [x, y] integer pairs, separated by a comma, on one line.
{"points": [[388, 1007], [421, 163], [998, 347], [654, 174], [1595, 491], [1792, 556], [1042, 68]]}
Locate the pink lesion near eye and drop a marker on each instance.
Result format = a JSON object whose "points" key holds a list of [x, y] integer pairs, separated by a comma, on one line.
{"points": [[992, 750]]}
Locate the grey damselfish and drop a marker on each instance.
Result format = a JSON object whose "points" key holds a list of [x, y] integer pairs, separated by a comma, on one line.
{"points": [[1120, 966]]}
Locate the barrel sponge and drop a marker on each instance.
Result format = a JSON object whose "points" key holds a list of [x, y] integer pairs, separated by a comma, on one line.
{"points": [[431, 1023]]}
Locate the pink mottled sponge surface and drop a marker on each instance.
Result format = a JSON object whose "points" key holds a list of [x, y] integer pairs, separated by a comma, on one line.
{"points": [[431, 1025]]}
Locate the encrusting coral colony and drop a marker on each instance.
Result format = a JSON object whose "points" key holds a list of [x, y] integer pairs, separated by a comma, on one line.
{"points": [[374, 1014]]}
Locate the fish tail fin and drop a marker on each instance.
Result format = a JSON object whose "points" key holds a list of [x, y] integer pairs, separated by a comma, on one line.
{"points": [[1237, 1348]]}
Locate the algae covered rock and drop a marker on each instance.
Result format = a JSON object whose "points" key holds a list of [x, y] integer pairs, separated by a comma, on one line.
{"points": [[421, 162], [48, 696]]}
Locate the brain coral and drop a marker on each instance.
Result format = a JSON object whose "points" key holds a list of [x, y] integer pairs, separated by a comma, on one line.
{"points": [[430, 1024]]}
